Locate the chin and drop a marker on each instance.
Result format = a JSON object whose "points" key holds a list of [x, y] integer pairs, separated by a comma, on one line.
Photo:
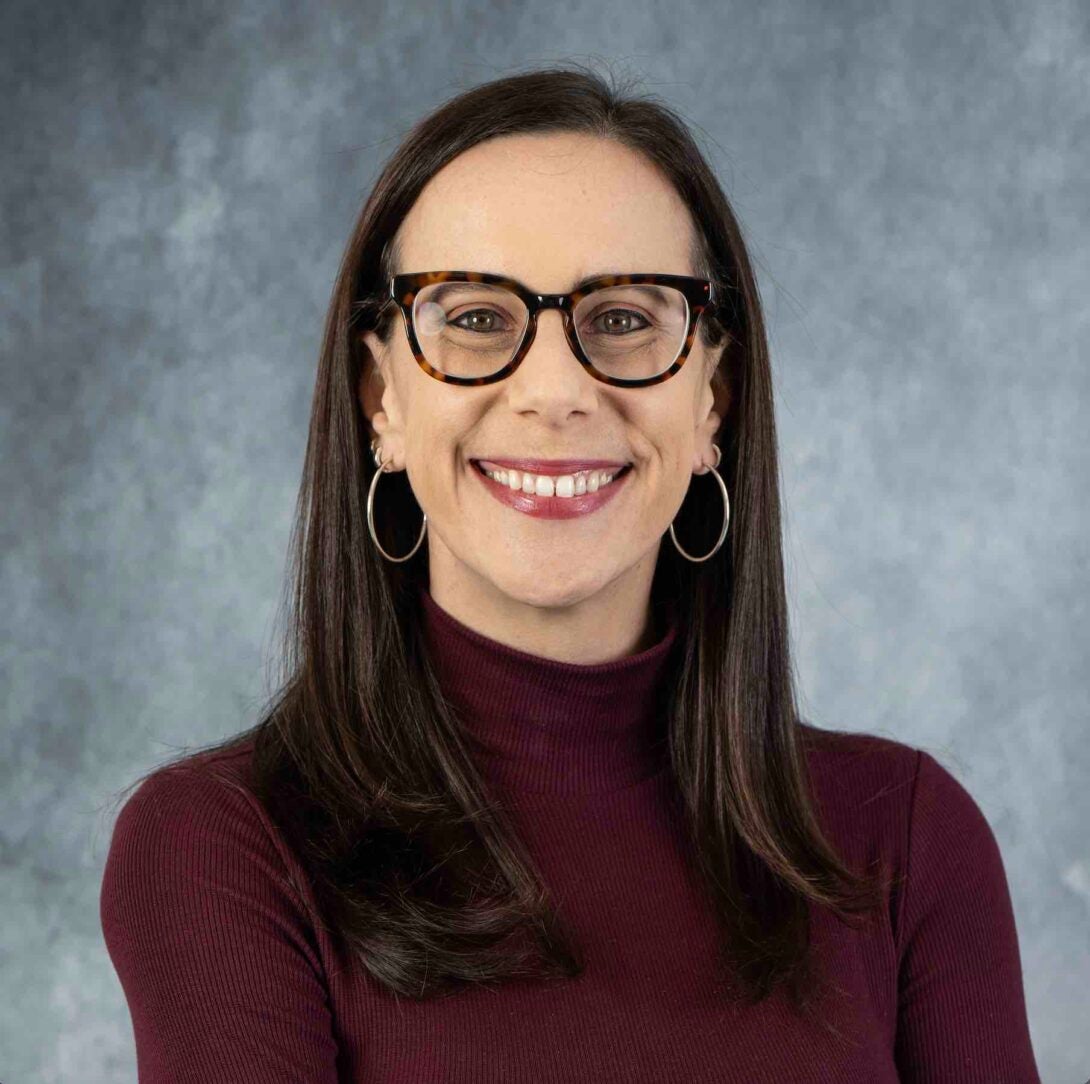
{"points": [[548, 593]]}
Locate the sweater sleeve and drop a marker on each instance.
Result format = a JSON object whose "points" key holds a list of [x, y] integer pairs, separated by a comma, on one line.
{"points": [[210, 941], [961, 1006]]}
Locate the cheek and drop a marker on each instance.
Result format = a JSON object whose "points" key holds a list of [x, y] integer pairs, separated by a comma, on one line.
{"points": [[438, 447], [663, 439], [663, 448]]}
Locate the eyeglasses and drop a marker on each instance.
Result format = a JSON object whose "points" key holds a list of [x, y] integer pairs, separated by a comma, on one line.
{"points": [[474, 328]]}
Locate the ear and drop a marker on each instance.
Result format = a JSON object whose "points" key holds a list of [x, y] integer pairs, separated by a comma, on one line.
{"points": [[372, 382], [716, 402], [377, 393]]}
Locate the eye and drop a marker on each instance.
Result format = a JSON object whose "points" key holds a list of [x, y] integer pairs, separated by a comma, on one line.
{"points": [[488, 322], [621, 320]]}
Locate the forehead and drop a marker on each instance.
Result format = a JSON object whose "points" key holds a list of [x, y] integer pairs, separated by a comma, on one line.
{"points": [[548, 210]]}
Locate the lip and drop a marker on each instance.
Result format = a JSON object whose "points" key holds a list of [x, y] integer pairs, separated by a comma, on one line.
{"points": [[531, 504], [553, 466]]}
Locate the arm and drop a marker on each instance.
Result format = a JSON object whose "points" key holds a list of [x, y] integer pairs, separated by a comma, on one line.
{"points": [[210, 941], [961, 1006]]}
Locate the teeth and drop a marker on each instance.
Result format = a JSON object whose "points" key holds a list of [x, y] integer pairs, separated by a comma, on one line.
{"points": [[548, 485]]}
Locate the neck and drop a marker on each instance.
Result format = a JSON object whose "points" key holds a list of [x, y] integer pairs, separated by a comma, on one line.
{"points": [[552, 725]]}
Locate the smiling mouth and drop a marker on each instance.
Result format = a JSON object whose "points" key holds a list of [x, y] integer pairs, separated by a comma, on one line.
{"points": [[588, 494], [586, 482]]}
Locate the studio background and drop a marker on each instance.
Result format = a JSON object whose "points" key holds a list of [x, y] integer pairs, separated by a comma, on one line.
{"points": [[178, 187]]}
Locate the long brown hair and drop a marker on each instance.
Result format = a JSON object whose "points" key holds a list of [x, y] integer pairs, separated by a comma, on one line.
{"points": [[357, 756]]}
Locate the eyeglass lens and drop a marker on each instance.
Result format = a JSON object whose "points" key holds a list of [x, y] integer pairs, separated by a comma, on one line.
{"points": [[473, 329]]}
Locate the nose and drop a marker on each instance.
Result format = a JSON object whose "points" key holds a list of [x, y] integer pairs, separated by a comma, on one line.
{"points": [[550, 375], [550, 338]]}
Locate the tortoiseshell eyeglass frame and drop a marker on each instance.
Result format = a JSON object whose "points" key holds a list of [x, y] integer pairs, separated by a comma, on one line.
{"points": [[699, 293]]}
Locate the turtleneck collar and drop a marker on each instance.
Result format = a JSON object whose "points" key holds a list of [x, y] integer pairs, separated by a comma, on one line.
{"points": [[545, 726]]}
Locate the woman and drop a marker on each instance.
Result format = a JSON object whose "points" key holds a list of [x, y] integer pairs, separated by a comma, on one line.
{"points": [[534, 801]]}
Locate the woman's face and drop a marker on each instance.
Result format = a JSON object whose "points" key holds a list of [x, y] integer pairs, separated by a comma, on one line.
{"points": [[547, 210]]}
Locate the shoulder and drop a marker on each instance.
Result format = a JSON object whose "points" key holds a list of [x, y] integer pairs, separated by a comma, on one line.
{"points": [[855, 772], [211, 931], [195, 823], [859, 774], [198, 794], [884, 799]]}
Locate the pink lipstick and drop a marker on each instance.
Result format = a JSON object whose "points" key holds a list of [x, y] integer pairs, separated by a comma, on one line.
{"points": [[556, 507]]}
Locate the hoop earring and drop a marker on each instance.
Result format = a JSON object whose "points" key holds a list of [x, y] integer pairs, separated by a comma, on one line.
{"points": [[377, 455], [726, 514]]}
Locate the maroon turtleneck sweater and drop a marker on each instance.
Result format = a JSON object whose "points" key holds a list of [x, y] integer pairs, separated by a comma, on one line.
{"points": [[228, 977]]}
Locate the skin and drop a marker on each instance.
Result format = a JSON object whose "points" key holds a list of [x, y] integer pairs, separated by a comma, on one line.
{"points": [[546, 209]]}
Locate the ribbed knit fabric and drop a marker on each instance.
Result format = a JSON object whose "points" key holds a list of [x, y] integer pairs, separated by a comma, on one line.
{"points": [[209, 919]]}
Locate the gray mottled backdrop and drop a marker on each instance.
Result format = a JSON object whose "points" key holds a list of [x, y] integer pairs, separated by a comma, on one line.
{"points": [[178, 182]]}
